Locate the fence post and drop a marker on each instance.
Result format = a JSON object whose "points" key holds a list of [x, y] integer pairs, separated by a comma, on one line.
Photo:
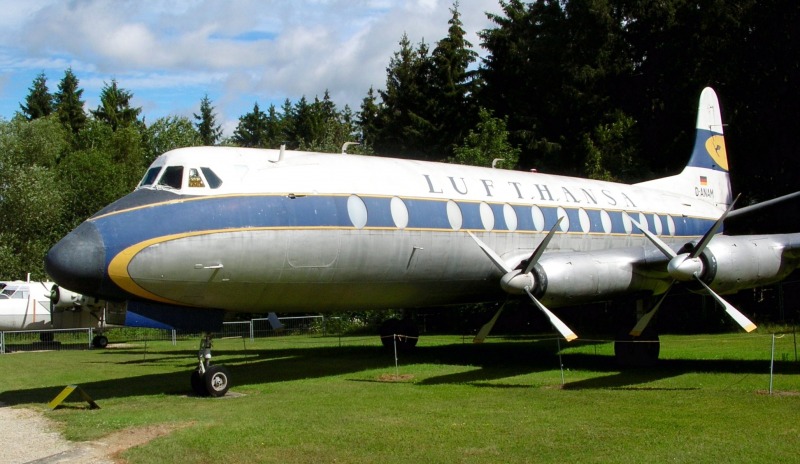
{"points": [[252, 334], [2, 343], [174, 337], [772, 364], [91, 336]]}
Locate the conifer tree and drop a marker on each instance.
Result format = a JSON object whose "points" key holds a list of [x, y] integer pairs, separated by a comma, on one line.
{"points": [[115, 107], [39, 102], [454, 111], [68, 103], [210, 131], [252, 129]]}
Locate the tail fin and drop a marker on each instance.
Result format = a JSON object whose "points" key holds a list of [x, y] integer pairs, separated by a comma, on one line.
{"points": [[706, 176]]}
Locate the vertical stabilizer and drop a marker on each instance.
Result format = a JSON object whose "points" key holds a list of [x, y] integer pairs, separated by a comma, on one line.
{"points": [[706, 175]]}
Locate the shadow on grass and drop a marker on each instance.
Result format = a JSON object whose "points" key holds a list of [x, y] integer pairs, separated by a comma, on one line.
{"points": [[488, 362]]}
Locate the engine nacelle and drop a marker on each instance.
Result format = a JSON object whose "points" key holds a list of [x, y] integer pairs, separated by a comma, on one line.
{"points": [[736, 263], [64, 300], [575, 277]]}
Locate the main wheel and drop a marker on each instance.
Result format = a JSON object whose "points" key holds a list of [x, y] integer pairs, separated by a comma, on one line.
{"points": [[100, 341], [216, 381]]}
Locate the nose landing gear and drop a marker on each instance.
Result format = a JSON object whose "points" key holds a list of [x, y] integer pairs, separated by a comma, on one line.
{"points": [[208, 380]]}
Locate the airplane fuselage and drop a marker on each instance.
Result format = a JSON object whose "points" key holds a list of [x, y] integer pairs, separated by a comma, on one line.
{"points": [[324, 232], [25, 305]]}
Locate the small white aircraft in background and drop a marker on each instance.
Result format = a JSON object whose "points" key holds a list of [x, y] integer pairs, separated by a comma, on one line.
{"points": [[25, 305], [43, 306], [214, 229]]}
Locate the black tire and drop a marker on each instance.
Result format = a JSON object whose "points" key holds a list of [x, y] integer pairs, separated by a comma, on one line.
{"points": [[405, 332], [100, 341], [216, 381], [198, 385]]}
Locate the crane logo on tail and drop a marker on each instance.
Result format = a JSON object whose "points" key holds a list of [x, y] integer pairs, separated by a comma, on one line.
{"points": [[715, 146]]}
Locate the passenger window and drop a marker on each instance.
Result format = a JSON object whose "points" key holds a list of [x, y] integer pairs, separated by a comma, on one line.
{"points": [[172, 177], [194, 178], [213, 180], [150, 176]]}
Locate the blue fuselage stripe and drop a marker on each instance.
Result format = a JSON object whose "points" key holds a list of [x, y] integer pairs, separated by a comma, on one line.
{"points": [[125, 228]]}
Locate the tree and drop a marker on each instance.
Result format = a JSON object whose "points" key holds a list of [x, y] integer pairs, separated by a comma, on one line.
{"points": [[39, 102], [611, 151], [41, 142], [31, 220], [252, 129], [210, 131], [454, 85], [68, 103], [487, 143], [404, 125], [115, 107], [169, 133], [367, 119]]}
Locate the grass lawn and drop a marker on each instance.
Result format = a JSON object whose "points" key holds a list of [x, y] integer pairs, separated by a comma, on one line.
{"points": [[316, 399]]}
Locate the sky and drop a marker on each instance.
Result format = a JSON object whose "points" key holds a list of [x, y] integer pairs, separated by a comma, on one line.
{"points": [[170, 54]]}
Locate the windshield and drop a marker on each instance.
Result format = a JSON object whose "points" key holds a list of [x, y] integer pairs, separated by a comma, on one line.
{"points": [[150, 176], [172, 177]]}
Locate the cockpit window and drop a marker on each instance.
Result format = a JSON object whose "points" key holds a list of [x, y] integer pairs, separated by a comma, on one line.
{"points": [[150, 176], [14, 293], [172, 177], [213, 180], [194, 178]]}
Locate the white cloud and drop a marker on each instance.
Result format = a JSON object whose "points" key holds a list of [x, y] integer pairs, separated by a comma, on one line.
{"points": [[170, 54]]}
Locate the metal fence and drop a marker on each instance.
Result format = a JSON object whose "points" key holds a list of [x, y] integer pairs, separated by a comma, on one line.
{"points": [[81, 339], [39, 340]]}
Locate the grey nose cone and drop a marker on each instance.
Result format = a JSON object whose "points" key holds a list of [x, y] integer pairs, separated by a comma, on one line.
{"points": [[77, 262]]}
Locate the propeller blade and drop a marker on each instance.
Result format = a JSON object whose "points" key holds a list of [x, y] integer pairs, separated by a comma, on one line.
{"points": [[497, 260], [562, 328], [701, 245], [539, 251], [638, 329], [740, 318], [484, 332], [660, 244]]}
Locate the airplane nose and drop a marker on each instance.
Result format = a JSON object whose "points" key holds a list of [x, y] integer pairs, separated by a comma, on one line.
{"points": [[77, 262]]}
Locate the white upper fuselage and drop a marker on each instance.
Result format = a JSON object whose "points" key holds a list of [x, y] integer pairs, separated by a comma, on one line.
{"points": [[252, 171], [24, 305]]}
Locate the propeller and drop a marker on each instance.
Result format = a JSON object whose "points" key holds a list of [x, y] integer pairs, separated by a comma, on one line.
{"points": [[520, 282], [486, 328], [686, 267]]}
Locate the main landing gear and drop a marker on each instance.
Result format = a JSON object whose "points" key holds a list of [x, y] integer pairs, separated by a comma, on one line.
{"points": [[99, 341], [208, 380]]}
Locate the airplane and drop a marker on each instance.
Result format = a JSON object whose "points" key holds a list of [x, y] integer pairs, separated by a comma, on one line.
{"points": [[24, 305], [30, 306], [214, 229]]}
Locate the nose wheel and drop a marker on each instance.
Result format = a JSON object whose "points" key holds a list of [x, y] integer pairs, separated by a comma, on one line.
{"points": [[208, 380]]}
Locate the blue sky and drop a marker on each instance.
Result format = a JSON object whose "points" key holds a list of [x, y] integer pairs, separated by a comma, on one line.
{"points": [[170, 54]]}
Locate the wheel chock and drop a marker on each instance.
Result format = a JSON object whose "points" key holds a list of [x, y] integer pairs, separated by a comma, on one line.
{"points": [[68, 391]]}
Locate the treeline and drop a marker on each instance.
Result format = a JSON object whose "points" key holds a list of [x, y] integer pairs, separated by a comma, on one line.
{"points": [[594, 88]]}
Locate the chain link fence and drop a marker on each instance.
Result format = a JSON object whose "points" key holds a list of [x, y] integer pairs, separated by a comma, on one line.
{"points": [[81, 339]]}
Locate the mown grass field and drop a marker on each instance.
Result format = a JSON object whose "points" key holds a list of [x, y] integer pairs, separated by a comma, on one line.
{"points": [[315, 399]]}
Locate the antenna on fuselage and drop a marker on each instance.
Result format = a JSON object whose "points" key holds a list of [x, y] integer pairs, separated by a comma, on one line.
{"points": [[280, 154], [347, 144], [495, 161]]}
